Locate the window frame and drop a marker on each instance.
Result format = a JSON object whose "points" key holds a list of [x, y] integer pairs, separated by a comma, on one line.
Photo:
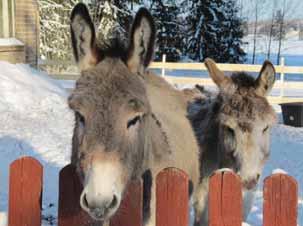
{"points": [[7, 14]]}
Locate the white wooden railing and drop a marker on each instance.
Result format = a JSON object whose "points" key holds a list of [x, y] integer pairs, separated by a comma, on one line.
{"points": [[165, 67], [281, 69]]}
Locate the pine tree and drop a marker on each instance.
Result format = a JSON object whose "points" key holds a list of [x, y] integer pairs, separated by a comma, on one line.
{"points": [[278, 21], [232, 34], [112, 19], [169, 35], [54, 29], [215, 31], [203, 23]]}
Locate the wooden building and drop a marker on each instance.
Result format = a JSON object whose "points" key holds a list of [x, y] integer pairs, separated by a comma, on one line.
{"points": [[19, 31]]}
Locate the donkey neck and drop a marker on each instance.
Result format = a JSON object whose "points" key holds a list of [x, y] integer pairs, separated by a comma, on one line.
{"points": [[178, 142], [159, 147], [206, 126]]}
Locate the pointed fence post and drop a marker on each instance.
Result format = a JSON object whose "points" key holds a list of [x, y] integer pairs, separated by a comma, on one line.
{"points": [[225, 199], [172, 198], [25, 192], [280, 204]]}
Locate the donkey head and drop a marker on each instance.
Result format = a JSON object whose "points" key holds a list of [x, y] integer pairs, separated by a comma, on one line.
{"points": [[244, 118], [111, 110]]}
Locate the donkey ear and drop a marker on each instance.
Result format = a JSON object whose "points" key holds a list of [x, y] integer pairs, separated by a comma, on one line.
{"points": [[142, 40], [266, 79], [215, 73], [83, 37]]}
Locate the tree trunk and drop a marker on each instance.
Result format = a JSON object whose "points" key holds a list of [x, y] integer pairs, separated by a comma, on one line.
{"points": [[255, 32], [271, 33], [281, 30]]}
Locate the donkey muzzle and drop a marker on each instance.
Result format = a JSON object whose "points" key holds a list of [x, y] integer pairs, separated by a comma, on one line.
{"points": [[98, 207], [102, 191]]}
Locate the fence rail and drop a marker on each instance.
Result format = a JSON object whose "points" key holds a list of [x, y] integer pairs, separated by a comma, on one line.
{"points": [[164, 66], [225, 199]]}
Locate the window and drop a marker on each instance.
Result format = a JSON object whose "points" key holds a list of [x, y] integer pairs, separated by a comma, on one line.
{"points": [[7, 25]]}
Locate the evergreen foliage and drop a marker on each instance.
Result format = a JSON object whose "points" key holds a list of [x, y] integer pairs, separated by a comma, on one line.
{"points": [[193, 28], [215, 30], [169, 35]]}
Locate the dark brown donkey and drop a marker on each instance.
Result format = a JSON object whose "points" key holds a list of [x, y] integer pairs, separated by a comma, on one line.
{"points": [[233, 129], [128, 120]]}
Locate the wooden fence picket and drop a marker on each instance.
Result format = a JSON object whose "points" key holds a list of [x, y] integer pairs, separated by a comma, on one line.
{"points": [[25, 192], [71, 214], [130, 210], [172, 198], [280, 204], [225, 200], [69, 210]]}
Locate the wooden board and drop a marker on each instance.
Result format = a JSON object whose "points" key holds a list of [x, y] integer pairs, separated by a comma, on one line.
{"points": [[69, 210], [280, 195], [172, 198], [71, 214], [131, 207], [225, 200], [25, 192]]}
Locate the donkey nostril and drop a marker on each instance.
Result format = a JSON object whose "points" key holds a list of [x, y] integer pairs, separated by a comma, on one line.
{"points": [[85, 202], [114, 202]]}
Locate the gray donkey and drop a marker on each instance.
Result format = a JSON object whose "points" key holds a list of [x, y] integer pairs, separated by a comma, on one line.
{"points": [[129, 122], [233, 129]]}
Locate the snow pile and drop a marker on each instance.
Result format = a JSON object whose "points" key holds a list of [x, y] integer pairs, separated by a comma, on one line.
{"points": [[35, 121], [3, 219], [279, 171]]}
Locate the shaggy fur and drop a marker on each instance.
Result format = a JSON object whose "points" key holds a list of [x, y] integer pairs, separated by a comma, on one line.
{"points": [[135, 119], [166, 138], [232, 129]]}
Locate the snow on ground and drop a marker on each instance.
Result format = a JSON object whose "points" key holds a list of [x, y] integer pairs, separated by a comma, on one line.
{"points": [[291, 46], [35, 121], [286, 156]]}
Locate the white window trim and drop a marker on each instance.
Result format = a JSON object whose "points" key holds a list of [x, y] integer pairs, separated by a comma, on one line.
{"points": [[13, 18], [6, 18]]}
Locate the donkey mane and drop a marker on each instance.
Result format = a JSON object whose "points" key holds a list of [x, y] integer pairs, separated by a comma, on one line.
{"points": [[115, 50], [242, 79], [163, 133]]}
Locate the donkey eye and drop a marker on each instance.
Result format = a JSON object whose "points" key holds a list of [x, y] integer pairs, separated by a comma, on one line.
{"points": [[265, 129], [133, 121], [80, 118]]}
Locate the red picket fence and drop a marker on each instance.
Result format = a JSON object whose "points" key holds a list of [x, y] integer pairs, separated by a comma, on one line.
{"points": [[225, 199]]}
